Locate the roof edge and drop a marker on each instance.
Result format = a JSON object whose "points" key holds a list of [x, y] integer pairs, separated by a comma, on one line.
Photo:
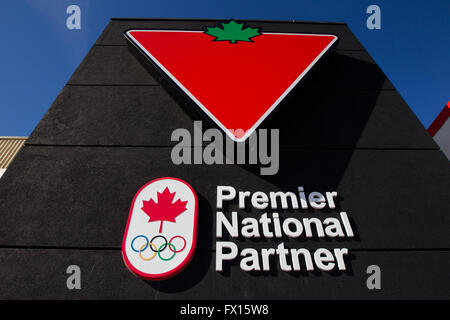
{"points": [[13, 138], [215, 20]]}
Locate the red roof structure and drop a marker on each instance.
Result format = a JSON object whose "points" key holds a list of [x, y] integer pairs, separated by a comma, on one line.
{"points": [[440, 120]]}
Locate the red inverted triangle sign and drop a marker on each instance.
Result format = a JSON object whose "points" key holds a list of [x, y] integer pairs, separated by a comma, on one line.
{"points": [[236, 84]]}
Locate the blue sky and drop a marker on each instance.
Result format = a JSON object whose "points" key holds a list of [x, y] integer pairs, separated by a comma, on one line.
{"points": [[39, 54]]}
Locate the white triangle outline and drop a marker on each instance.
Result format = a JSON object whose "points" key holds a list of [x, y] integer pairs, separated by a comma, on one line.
{"points": [[199, 104]]}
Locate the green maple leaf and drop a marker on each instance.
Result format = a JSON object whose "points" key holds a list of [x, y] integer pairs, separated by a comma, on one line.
{"points": [[233, 32]]}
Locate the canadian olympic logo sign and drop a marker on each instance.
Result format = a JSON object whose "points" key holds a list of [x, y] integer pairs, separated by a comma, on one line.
{"points": [[161, 232]]}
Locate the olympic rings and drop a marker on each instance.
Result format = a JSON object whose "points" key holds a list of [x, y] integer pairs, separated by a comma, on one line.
{"points": [[144, 245], [159, 236], [167, 259], [140, 236], [184, 246], [157, 251]]}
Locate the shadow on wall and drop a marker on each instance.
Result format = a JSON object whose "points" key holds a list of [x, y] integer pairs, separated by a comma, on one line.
{"points": [[201, 262]]}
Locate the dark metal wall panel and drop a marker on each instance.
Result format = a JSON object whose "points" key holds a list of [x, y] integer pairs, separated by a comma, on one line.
{"points": [[106, 65], [132, 116], [406, 275], [109, 115], [80, 197], [354, 70]]}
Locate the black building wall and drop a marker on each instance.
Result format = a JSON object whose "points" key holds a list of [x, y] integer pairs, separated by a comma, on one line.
{"points": [[66, 197]]}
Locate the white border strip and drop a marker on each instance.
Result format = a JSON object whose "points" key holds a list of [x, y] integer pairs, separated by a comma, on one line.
{"points": [[272, 107]]}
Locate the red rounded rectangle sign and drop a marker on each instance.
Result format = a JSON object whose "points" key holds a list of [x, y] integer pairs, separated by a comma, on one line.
{"points": [[161, 232]]}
